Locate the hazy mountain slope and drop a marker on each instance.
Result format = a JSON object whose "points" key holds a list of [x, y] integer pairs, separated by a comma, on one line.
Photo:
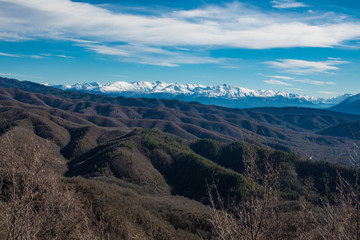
{"points": [[309, 118], [349, 130], [350, 105], [221, 95]]}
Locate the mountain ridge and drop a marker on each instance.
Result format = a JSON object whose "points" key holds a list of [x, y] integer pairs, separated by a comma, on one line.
{"points": [[221, 95]]}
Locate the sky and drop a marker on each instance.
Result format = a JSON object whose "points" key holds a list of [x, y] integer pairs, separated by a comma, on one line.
{"points": [[304, 47]]}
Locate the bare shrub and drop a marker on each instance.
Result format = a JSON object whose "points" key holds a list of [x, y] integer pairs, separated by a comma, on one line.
{"points": [[224, 224], [35, 204], [257, 215], [339, 219]]}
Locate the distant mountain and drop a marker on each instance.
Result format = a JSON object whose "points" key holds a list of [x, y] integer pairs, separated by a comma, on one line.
{"points": [[221, 95], [349, 105]]}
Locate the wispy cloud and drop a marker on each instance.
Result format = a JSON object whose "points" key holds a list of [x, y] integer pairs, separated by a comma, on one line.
{"points": [[281, 77], [18, 75], [34, 56], [277, 82], [11, 75], [295, 89], [63, 56], [114, 51], [287, 4], [150, 55], [20, 55], [55, 55], [314, 82], [229, 67], [327, 92], [9, 55], [233, 25], [119, 76], [301, 67]]}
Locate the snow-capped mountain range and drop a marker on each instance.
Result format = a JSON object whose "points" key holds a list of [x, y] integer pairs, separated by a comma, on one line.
{"points": [[223, 95]]}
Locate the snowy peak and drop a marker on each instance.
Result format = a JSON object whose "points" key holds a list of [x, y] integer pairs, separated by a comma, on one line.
{"points": [[223, 90], [220, 94]]}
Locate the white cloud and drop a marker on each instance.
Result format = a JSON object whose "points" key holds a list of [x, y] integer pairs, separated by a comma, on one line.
{"points": [[314, 82], [233, 25], [301, 67], [288, 4], [277, 82]]}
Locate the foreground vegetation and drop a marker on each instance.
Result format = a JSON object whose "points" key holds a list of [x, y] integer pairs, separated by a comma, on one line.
{"points": [[150, 185]]}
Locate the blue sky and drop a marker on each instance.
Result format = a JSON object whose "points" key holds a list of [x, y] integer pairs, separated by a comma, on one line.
{"points": [[304, 47]]}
